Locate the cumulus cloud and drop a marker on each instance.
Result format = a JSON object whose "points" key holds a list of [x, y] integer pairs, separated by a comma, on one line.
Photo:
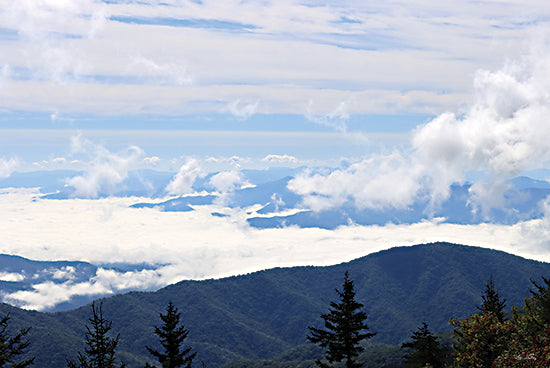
{"points": [[106, 170], [7, 167], [182, 182], [377, 182], [227, 181], [504, 132]]}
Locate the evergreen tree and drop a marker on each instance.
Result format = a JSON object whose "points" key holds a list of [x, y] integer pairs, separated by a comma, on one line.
{"points": [[344, 326], [492, 302], [100, 352], [171, 336], [11, 347], [427, 350]]}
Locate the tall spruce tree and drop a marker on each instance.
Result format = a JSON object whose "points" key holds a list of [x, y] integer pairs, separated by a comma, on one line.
{"points": [[172, 335], [13, 346], [492, 302], [100, 352], [427, 350], [344, 328]]}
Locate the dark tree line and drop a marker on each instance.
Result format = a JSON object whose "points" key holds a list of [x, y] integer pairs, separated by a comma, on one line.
{"points": [[485, 339]]}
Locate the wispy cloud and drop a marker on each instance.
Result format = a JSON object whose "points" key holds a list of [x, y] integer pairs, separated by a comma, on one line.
{"points": [[390, 57], [335, 119], [242, 110]]}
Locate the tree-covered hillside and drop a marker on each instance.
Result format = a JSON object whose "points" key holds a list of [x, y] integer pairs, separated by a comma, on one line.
{"points": [[264, 314]]}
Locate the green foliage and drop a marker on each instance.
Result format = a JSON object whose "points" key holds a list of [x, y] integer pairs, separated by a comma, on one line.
{"points": [[100, 352], [344, 324], [529, 346], [11, 347], [172, 335], [492, 301], [426, 350], [480, 340]]}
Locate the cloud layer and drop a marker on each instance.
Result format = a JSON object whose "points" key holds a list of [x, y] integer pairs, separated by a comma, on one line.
{"points": [[183, 245], [181, 57]]}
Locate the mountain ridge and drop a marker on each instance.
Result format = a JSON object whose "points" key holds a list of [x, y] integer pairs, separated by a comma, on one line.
{"points": [[261, 315]]}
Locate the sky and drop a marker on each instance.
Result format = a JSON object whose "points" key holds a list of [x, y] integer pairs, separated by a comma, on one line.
{"points": [[396, 97]]}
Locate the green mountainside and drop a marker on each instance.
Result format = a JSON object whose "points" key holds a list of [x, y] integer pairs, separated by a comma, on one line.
{"points": [[264, 315]]}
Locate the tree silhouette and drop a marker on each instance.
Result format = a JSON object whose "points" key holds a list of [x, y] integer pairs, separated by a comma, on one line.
{"points": [[492, 302], [172, 335], [427, 349], [11, 347], [100, 352], [344, 324]]}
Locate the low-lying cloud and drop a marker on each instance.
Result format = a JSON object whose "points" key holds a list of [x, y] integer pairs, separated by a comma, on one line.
{"points": [[183, 245]]}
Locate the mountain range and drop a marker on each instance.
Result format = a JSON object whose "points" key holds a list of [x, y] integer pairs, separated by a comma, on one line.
{"points": [[264, 315], [275, 205]]}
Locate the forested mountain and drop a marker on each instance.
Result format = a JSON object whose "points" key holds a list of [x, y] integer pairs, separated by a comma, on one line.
{"points": [[264, 314]]}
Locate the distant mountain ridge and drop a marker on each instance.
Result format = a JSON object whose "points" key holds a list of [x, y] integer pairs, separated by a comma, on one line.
{"points": [[263, 314], [268, 191]]}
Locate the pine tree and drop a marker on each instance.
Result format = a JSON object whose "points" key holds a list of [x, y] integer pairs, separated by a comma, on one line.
{"points": [[11, 347], [344, 326], [492, 302], [100, 352], [427, 349], [172, 335]]}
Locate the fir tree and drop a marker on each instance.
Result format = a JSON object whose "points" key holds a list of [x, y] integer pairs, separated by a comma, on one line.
{"points": [[100, 352], [172, 335], [427, 350], [344, 326], [492, 302], [11, 347]]}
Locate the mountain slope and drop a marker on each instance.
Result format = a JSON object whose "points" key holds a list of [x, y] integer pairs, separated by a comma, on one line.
{"points": [[263, 314]]}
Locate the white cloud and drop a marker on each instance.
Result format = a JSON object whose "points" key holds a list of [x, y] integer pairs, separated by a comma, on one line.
{"points": [[395, 57], [377, 182], [336, 119], [182, 182], [11, 276], [227, 181], [48, 294], [504, 132], [7, 167], [243, 110], [153, 160], [106, 170], [162, 72], [280, 159], [77, 229]]}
